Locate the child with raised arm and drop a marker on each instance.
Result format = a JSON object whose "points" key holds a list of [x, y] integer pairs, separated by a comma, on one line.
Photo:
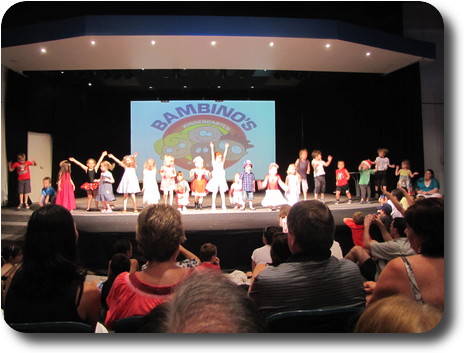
{"points": [[405, 176], [129, 184], [151, 194], [198, 184], [365, 173], [105, 186], [168, 178], [303, 168], [292, 181], [319, 174], [218, 182], [24, 178], [91, 169], [382, 163], [273, 197], [65, 195], [48, 193], [182, 192], [342, 177]]}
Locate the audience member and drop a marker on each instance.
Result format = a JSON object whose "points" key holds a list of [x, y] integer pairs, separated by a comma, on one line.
{"points": [[208, 257], [283, 213], [398, 314], [356, 224], [262, 255], [428, 186], [420, 276], [50, 286], [119, 263], [208, 302], [189, 260], [159, 233], [124, 246], [311, 278], [373, 256], [12, 257]]}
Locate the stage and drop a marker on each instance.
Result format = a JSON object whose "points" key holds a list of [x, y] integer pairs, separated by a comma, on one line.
{"points": [[236, 233]]}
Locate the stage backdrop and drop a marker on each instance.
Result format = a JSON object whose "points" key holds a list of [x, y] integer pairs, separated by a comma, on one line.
{"points": [[185, 129]]}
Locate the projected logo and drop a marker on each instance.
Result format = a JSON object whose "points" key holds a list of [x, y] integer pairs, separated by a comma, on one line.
{"points": [[191, 137]]}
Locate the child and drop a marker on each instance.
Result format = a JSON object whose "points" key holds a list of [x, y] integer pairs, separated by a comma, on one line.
{"points": [[382, 163], [24, 178], [356, 224], [405, 176], [365, 173], [283, 213], [218, 182], [65, 195], [168, 178], [248, 184], [129, 184], [91, 169], [293, 181], [303, 168], [182, 192], [319, 174], [342, 176], [105, 186], [271, 182], [208, 258], [198, 184], [151, 194], [235, 192], [48, 193]]}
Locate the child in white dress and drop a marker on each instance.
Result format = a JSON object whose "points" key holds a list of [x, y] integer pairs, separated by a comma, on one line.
{"points": [[293, 181], [271, 183], [168, 178], [182, 192], [218, 182], [235, 192], [151, 194], [129, 184]]}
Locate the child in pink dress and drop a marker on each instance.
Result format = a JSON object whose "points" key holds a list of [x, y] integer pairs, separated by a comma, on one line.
{"points": [[271, 183], [65, 195], [168, 178]]}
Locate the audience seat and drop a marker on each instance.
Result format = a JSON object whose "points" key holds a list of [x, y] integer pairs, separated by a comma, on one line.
{"points": [[52, 327], [339, 320], [131, 324]]}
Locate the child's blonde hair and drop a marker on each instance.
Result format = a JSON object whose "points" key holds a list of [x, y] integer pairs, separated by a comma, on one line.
{"points": [[180, 174], [107, 165], [382, 149], [315, 153], [167, 156], [91, 160], [406, 161], [129, 161], [150, 162], [292, 165]]}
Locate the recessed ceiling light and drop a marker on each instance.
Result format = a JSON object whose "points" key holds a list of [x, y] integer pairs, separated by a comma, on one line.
{"points": [[368, 53], [218, 86], [153, 42], [327, 45], [92, 42], [252, 87], [43, 50], [185, 86], [89, 84], [271, 44], [213, 43]]}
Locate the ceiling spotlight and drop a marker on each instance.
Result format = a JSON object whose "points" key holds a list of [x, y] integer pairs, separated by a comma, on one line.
{"points": [[213, 43], [368, 53], [92, 42], [271, 44], [43, 51], [153, 42], [218, 86], [90, 84], [327, 45], [185, 86]]}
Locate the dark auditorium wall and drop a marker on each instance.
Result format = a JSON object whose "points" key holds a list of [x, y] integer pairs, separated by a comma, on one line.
{"points": [[346, 115]]}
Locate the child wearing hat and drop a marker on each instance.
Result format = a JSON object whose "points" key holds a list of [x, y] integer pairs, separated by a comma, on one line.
{"points": [[248, 184], [365, 173]]}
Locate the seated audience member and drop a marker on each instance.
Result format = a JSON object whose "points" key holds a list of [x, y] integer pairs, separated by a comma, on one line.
{"points": [[124, 246], [428, 186], [311, 278], [190, 259], [159, 233], [208, 258], [262, 255], [373, 256], [119, 263], [356, 224], [283, 213], [12, 257], [50, 286], [398, 314], [208, 302], [421, 276]]}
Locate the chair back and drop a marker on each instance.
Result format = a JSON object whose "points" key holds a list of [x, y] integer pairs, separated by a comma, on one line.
{"points": [[52, 327], [331, 320]]}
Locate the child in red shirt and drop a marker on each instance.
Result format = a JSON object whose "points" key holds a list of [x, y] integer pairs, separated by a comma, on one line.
{"points": [[342, 176], [24, 178], [356, 224]]}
